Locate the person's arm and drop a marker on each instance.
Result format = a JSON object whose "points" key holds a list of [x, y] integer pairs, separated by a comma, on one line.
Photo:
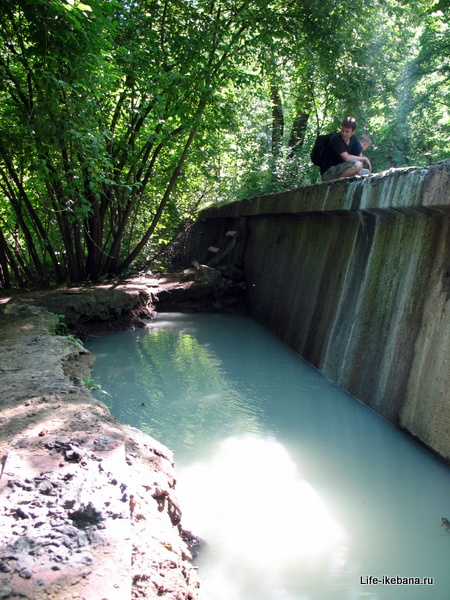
{"points": [[346, 157]]}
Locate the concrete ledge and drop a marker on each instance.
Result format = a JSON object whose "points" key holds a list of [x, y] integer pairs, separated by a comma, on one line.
{"points": [[397, 189]]}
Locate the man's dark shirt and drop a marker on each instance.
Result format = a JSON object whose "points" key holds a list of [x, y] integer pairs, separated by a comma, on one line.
{"points": [[336, 146]]}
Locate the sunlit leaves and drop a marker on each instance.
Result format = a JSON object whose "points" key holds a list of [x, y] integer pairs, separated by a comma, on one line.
{"points": [[71, 4], [118, 119]]}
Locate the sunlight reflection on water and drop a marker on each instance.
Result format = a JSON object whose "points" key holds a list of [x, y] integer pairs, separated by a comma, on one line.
{"points": [[252, 500], [298, 489]]}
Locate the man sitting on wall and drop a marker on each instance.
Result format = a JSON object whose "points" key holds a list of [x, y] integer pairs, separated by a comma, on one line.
{"points": [[342, 156], [365, 142]]}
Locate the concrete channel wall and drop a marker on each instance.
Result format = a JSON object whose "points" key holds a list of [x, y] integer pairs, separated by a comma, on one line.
{"points": [[354, 275]]}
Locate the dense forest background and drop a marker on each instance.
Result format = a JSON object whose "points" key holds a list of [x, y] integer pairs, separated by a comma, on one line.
{"points": [[119, 119]]}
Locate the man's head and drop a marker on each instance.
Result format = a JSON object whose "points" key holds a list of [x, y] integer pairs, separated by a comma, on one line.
{"points": [[348, 127], [349, 122], [365, 141]]}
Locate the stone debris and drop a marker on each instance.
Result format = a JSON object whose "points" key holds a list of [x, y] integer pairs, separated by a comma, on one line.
{"points": [[56, 509], [87, 505]]}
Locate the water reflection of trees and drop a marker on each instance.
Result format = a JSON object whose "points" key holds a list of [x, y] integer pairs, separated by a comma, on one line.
{"points": [[172, 387]]}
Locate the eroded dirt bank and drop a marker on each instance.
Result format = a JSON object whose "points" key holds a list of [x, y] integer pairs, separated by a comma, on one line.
{"points": [[88, 506]]}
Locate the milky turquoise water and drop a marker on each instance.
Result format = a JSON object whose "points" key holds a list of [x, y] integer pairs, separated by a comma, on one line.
{"points": [[301, 491]]}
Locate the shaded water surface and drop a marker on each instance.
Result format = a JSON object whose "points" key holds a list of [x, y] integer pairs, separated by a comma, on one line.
{"points": [[301, 491]]}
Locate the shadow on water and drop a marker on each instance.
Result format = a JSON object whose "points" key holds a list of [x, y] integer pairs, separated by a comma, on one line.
{"points": [[301, 492]]}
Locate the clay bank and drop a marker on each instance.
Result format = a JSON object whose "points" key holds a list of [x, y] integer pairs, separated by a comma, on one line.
{"points": [[88, 506], [354, 275]]}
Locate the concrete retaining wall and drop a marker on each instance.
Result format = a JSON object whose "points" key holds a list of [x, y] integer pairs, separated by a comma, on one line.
{"points": [[354, 275]]}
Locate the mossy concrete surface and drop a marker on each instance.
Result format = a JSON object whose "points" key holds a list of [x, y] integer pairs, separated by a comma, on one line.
{"points": [[354, 275]]}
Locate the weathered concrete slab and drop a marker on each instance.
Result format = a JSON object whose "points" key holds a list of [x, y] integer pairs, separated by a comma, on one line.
{"points": [[411, 188], [354, 275]]}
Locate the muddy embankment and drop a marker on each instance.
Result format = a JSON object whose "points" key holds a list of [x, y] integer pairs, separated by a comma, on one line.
{"points": [[88, 506]]}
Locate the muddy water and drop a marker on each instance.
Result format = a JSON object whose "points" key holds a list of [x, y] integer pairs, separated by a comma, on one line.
{"points": [[301, 492]]}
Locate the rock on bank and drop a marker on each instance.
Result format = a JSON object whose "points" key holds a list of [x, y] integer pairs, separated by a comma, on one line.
{"points": [[88, 507]]}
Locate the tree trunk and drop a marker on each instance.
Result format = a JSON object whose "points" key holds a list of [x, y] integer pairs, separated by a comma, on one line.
{"points": [[277, 121], [297, 136]]}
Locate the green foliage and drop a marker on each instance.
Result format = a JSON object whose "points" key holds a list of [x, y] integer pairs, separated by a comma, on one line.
{"points": [[57, 327], [119, 120], [94, 386]]}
